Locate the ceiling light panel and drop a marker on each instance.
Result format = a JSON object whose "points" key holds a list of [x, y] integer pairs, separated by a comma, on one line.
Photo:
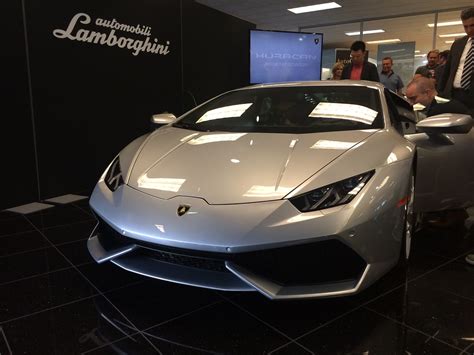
{"points": [[447, 23], [368, 32], [452, 35], [393, 40], [312, 8]]}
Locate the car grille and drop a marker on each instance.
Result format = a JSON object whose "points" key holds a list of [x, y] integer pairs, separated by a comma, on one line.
{"points": [[326, 261], [321, 262], [110, 239]]}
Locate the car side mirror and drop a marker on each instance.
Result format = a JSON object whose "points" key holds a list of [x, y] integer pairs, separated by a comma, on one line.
{"points": [[445, 123], [161, 119]]}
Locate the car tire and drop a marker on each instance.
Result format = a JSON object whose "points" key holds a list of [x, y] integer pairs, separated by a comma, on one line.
{"points": [[409, 221]]}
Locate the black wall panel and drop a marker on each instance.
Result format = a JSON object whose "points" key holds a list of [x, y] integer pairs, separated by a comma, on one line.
{"points": [[215, 52], [91, 99], [18, 173]]}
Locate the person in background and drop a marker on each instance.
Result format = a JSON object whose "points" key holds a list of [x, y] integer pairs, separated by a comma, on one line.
{"points": [[388, 78], [428, 70], [422, 91], [458, 77], [443, 57], [337, 71], [359, 68]]}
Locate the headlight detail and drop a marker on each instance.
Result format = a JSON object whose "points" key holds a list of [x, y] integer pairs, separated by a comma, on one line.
{"points": [[336, 194], [113, 178]]}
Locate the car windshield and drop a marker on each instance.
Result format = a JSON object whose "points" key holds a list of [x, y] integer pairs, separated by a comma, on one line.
{"points": [[289, 110]]}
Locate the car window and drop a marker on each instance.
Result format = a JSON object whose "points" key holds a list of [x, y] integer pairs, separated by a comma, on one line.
{"points": [[404, 108], [401, 113], [289, 110]]}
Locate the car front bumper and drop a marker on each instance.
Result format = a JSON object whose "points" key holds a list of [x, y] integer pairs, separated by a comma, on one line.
{"points": [[269, 247]]}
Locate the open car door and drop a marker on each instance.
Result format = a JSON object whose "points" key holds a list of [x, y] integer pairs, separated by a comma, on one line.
{"points": [[445, 162], [445, 155]]}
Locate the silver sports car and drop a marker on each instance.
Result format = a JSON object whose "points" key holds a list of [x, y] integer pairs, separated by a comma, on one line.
{"points": [[294, 190]]}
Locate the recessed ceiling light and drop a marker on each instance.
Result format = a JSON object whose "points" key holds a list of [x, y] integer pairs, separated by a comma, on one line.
{"points": [[452, 35], [368, 32], [417, 51], [447, 23], [449, 42], [318, 7], [384, 41], [420, 55]]}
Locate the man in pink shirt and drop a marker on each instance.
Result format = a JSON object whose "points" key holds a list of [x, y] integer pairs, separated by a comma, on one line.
{"points": [[359, 68]]}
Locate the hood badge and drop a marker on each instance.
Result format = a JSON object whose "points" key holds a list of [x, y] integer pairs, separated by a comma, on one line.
{"points": [[182, 210]]}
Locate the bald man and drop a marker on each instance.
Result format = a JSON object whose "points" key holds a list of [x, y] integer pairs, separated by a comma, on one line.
{"points": [[422, 90]]}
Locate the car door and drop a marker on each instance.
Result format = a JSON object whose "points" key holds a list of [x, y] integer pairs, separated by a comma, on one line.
{"points": [[444, 168]]}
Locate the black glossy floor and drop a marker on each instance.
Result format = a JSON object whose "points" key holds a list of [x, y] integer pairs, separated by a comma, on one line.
{"points": [[55, 300]]}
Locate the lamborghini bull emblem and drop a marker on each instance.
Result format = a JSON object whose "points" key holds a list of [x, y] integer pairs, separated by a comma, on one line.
{"points": [[182, 209]]}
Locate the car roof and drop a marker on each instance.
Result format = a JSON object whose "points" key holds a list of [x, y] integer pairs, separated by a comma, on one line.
{"points": [[366, 83]]}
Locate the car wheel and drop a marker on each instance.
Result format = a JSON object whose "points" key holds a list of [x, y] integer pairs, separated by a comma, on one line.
{"points": [[409, 223]]}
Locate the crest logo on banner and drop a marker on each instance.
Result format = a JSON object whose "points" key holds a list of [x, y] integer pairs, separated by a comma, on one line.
{"points": [[74, 32]]}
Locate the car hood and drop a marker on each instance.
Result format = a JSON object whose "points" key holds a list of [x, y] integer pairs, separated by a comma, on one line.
{"points": [[229, 168]]}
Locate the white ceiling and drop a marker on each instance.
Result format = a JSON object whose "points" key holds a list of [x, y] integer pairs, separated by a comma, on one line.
{"points": [[403, 19]]}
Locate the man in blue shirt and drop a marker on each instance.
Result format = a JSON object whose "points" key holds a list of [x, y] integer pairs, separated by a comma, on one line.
{"points": [[390, 80]]}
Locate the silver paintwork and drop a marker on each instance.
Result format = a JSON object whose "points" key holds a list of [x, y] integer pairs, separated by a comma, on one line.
{"points": [[238, 185], [444, 122], [445, 164], [275, 291], [205, 165], [100, 255]]}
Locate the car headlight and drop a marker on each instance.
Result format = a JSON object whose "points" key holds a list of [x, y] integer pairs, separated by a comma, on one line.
{"points": [[336, 194], [113, 178]]}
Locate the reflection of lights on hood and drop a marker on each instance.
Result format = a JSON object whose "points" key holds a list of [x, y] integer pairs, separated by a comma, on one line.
{"points": [[235, 161], [293, 143], [213, 138], [162, 184], [382, 184], [348, 112], [160, 227], [224, 112], [267, 191], [327, 144], [184, 139], [392, 158]]}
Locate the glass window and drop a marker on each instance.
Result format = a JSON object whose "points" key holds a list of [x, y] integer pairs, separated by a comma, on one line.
{"points": [[449, 28], [415, 41], [289, 110]]}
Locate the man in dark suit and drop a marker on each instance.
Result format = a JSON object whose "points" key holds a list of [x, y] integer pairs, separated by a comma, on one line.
{"points": [[359, 68], [458, 77], [422, 91]]}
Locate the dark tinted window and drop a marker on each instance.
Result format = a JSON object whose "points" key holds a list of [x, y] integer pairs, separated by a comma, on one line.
{"points": [[289, 110]]}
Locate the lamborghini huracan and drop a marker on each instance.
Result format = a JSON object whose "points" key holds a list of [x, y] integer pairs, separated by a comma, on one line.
{"points": [[295, 190]]}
